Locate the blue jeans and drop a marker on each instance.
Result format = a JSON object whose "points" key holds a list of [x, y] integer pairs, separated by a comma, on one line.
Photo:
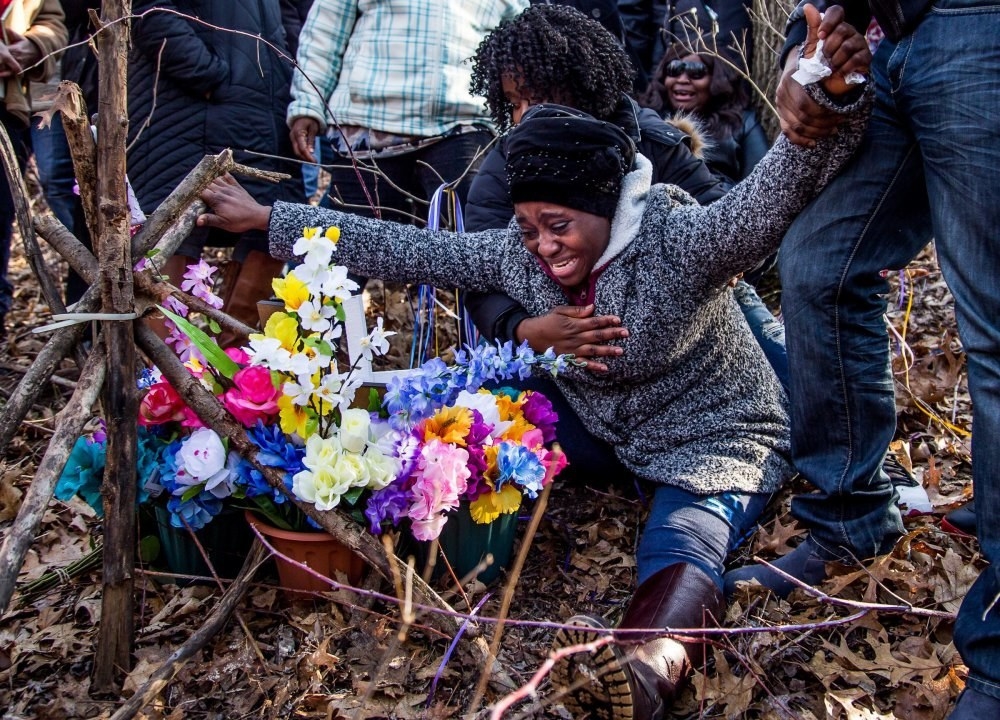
{"points": [[55, 169], [18, 132], [682, 527], [927, 166], [768, 331], [56, 174]]}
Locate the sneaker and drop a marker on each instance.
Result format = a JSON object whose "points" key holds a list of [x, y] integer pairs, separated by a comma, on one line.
{"points": [[961, 521], [806, 563]]}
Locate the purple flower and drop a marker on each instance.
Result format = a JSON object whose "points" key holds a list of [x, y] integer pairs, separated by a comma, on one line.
{"points": [[389, 503], [538, 411]]}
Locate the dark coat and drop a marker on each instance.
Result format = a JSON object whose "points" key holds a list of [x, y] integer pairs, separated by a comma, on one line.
{"points": [[738, 154], [489, 204], [195, 90]]}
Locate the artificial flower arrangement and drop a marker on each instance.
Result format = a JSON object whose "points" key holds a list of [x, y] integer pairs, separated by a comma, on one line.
{"points": [[437, 439]]}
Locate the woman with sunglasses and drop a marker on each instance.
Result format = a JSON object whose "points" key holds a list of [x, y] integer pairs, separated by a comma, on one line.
{"points": [[706, 87]]}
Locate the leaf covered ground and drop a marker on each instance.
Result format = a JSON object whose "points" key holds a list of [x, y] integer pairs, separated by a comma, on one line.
{"points": [[342, 654]]}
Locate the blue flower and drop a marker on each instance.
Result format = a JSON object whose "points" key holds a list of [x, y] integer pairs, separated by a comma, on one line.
{"points": [[517, 464], [197, 511], [83, 474]]}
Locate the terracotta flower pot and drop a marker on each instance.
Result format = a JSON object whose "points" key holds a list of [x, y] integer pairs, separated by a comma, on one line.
{"points": [[319, 550]]}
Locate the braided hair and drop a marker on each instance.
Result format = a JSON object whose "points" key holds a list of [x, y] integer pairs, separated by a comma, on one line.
{"points": [[557, 54]]}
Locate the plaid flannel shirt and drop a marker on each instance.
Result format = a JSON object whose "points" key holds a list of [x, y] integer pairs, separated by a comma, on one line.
{"points": [[396, 66]]}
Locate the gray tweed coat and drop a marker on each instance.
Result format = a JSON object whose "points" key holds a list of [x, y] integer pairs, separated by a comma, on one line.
{"points": [[692, 402]]}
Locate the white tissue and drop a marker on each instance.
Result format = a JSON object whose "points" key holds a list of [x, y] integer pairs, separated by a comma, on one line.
{"points": [[812, 69]]}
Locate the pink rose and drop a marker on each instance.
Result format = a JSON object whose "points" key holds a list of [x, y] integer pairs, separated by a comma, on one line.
{"points": [[254, 397], [237, 355], [191, 419], [161, 405]]}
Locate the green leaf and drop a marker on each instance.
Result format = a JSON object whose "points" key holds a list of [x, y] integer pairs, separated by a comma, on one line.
{"points": [[192, 492], [149, 548], [374, 401], [214, 326], [352, 495], [214, 355], [153, 253]]}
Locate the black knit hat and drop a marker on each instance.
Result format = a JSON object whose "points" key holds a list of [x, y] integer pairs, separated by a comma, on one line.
{"points": [[560, 155]]}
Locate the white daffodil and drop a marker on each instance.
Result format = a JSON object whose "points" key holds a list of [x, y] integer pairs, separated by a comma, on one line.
{"points": [[377, 342], [337, 285], [314, 316], [268, 352], [299, 393], [314, 246]]}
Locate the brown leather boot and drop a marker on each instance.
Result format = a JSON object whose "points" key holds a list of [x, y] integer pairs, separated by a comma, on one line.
{"points": [[623, 681], [251, 283]]}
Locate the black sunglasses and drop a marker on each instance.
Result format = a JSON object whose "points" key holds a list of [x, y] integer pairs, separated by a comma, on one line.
{"points": [[694, 70]]}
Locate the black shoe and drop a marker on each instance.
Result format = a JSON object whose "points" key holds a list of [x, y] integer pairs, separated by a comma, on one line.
{"points": [[974, 705], [961, 521]]}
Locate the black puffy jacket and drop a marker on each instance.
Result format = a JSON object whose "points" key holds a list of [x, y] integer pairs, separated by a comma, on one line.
{"points": [[489, 206], [195, 90]]}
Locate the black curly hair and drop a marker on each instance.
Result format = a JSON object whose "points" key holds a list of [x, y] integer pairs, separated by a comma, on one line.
{"points": [[556, 54], [722, 117]]}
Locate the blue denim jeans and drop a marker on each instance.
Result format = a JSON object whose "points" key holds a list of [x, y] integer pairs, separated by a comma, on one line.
{"points": [[768, 331], [18, 132], [55, 168], [682, 527], [927, 167]]}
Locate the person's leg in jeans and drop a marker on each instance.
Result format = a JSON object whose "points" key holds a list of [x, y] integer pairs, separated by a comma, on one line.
{"points": [[768, 331], [952, 101], [56, 174], [18, 132], [872, 217], [679, 563]]}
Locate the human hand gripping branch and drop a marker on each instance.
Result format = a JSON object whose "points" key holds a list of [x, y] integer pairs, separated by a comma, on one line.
{"points": [[232, 208], [803, 120]]}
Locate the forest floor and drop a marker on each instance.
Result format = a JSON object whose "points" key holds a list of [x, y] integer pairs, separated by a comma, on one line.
{"points": [[337, 655]]}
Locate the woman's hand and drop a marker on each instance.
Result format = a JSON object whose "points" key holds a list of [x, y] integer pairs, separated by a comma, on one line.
{"points": [[303, 134], [232, 208], [803, 120], [573, 330]]}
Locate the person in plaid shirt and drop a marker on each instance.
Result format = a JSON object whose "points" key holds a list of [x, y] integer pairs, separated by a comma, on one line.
{"points": [[388, 82]]}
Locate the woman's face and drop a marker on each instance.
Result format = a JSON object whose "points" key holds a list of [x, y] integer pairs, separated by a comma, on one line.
{"points": [[568, 241], [687, 82]]}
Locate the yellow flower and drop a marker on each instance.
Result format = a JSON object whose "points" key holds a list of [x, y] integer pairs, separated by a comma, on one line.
{"points": [[292, 291], [310, 232], [489, 506], [284, 328], [295, 419], [509, 409], [333, 234], [449, 425], [516, 431]]}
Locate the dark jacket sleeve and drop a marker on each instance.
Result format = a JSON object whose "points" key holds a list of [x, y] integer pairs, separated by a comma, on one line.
{"points": [[667, 148], [488, 207], [753, 143], [176, 49]]}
